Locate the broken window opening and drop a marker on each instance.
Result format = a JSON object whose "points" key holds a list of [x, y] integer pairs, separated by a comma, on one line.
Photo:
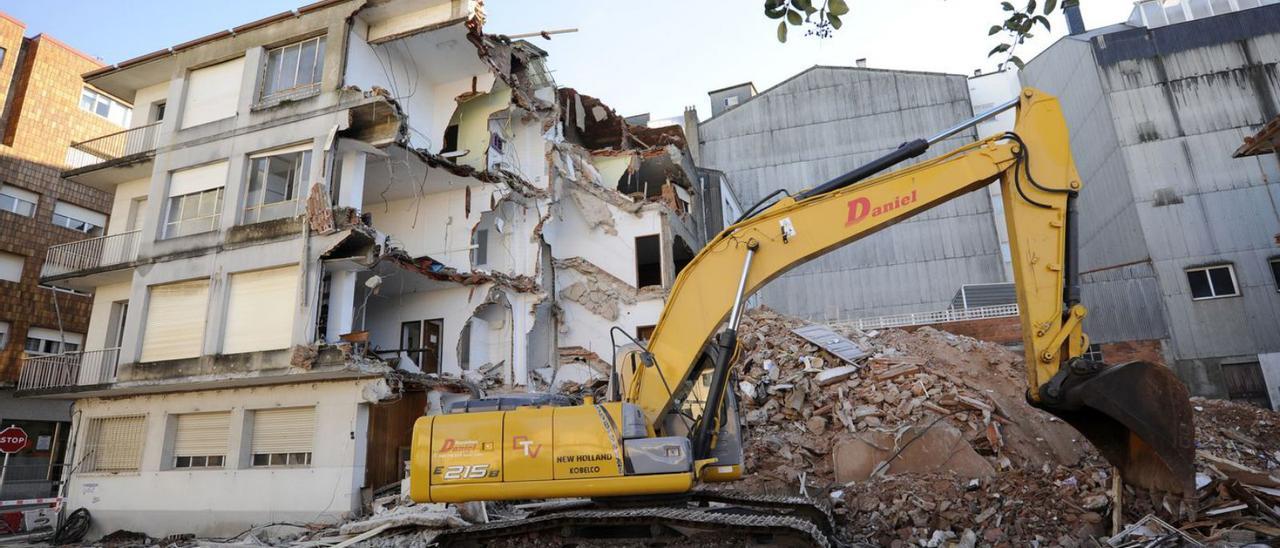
{"points": [[480, 249], [644, 333], [681, 255], [648, 261], [486, 341]]}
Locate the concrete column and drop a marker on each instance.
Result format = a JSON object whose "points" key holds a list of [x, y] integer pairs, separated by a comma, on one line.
{"points": [[342, 298], [351, 179]]}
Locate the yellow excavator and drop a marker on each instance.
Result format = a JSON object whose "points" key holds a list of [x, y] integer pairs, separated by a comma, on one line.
{"points": [[670, 422]]}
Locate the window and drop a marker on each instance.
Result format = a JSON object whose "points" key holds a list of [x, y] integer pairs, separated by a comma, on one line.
{"points": [[11, 267], [114, 444], [293, 69], [47, 342], [200, 440], [731, 101], [78, 218], [1275, 272], [1211, 282], [17, 200], [213, 93], [645, 332], [157, 111], [648, 261], [282, 437], [3, 53], [260, 310], [480, 254], [274, 180], [4, 335], [195, 200], [174, 325], [103, 105], [1093, 353]]}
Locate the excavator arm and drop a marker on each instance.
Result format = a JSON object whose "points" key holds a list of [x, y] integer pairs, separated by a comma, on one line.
{"points": [[1138, 414]]}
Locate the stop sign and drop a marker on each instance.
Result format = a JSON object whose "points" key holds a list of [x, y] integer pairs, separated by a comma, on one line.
{"points": [[12, 439]]}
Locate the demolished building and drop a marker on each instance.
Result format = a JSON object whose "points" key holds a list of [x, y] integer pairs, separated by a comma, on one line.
{"points": [[326, 223]]}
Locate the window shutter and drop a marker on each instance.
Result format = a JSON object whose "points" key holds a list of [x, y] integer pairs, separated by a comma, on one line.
{"points": [[175, 321], [283, 430], [116, 443], [261, 310], [202, 434], [79, 213], [197, 179], [213, 93]]}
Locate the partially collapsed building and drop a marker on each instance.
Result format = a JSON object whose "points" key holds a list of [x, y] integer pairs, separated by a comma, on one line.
{"points": [[327, 222]]}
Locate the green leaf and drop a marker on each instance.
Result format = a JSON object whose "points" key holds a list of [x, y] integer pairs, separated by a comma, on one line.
{"points": [[782, 31], [999, 49], [835, 21], [1049, 6], [994, 30], [775, 9], [1017, 61], [794, 18], [837, 7], [1031, 6], [803, 5], [1043, 21], [1007, 6]]}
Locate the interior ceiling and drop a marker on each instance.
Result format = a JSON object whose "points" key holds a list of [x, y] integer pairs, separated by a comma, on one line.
{"points": [[441, 55], [400, 175]]}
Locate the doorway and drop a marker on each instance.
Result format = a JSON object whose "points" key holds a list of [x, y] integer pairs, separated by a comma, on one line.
{"points": [[421, 341]]}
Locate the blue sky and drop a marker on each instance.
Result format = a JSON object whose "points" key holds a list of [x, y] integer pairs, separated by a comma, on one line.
{"points": [[638, 56]]}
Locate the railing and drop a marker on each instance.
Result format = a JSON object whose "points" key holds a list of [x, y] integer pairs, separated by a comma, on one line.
{"points": [[925, 318], [69, 369], [92, 253], [114, 146]]}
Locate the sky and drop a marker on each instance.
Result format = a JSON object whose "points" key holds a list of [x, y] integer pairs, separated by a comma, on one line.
{"points": [[655, 56]]}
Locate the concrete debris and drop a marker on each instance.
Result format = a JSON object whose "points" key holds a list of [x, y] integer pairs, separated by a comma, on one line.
{"points": [[930, 441]]}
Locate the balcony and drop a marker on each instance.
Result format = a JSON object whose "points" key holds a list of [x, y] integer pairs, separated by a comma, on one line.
{"points": [[100, 255], [64, 372], [103, 162]]}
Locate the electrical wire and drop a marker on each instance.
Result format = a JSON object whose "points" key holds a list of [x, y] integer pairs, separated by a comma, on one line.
{"points": [[752, 210]]}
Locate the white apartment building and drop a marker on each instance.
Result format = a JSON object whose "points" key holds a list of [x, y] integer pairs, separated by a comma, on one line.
{"points": [[325, 223]]}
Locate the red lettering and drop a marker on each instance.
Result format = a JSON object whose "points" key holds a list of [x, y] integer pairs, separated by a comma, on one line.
{"points": [[858, 209], [448, 445]]}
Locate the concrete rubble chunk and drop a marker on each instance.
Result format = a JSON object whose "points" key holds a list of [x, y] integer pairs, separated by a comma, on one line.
{"points": [[835, 375]]}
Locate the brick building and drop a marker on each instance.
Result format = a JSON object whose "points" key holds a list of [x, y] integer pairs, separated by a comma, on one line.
{"points": [[46, 108]]}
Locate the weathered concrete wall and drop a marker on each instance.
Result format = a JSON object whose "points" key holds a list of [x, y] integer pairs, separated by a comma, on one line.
{"points": [[159, 500], [829, 120]]}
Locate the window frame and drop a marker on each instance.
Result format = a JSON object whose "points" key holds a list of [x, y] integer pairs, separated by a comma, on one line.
{"points": [[70, 223], [169, 223], [93, 439], [99, 99], [1274, 263], [267, 95], [1235, 282], [33, 206], [288, 457], [299, 172]]}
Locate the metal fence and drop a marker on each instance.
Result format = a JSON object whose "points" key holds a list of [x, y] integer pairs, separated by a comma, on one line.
{"points": [[926, 318], [69, 369], [91, 253], [114, 146]]}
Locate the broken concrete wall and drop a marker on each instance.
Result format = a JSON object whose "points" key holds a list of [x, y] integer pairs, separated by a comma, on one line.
{"points": [[593, 301]]}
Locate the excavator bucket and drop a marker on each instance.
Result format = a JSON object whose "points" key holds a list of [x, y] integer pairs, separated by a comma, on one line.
{"points": [[1139, 417]]}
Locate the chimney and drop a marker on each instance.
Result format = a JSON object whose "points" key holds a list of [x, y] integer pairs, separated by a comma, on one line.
{"points": [[862, 63], [1075, 22]]}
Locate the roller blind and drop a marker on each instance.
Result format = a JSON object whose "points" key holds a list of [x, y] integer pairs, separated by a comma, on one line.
{"points": [[175, 321], [115, 443], [202, 434], [196, 179], [79, 213], [11, 266], [20, 193], [283, 430], [213, 93], [261, 309]]}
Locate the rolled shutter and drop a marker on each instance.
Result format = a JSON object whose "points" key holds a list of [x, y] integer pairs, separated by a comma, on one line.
{"points": [[79, 213], [198, 179], [213, 93], [202, 434], [175, 321], [117, 443], [283, 430], [261, 309]]}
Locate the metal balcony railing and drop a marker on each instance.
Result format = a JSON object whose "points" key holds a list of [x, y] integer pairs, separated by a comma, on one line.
{"points": [[926, 318], [113, 146], [115, 249], [69, 369]]}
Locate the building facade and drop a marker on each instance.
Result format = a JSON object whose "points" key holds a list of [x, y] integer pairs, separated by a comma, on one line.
{"points": [[1179, 238], [47, 106], [824, 122], [326, 223]]}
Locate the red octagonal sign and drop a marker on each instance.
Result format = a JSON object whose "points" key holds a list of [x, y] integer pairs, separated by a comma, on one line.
{"points": [[12, 439]]}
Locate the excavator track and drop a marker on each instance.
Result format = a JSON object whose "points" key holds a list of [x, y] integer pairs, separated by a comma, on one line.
{"points": [[818, 514], [797, 530]]}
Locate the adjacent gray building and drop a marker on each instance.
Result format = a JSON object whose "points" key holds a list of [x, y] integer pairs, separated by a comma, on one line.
{"points": [[1179, 238], [828, 120]]}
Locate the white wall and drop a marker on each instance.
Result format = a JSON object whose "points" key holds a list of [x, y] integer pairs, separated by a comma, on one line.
{"points": [[217, 502], [144, 98], [125, 194], [100, 315], [1270, 364], [435, 224], [570, 236]]}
